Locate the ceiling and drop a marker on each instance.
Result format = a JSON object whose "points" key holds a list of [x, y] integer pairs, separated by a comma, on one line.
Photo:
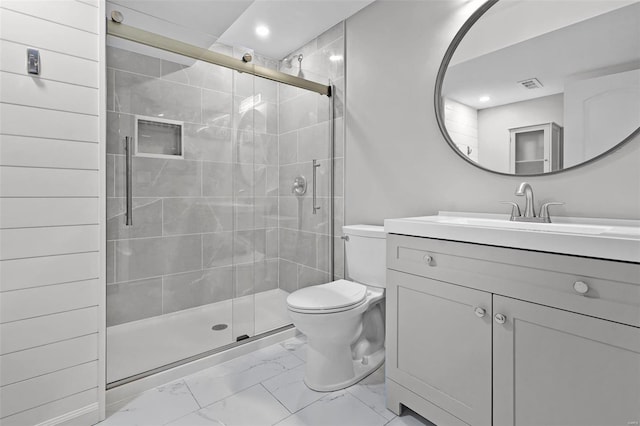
{"points": [[292, 23], [605, 44]]}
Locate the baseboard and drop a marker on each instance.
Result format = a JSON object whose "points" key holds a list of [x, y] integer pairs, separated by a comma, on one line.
{"points": [[85, 416], [132, 389]]}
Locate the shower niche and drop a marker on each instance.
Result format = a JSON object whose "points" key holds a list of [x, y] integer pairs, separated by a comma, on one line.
{"points": [[159, 138]]}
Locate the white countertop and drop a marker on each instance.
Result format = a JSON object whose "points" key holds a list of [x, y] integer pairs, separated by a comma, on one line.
{"points": [[612, 239]]}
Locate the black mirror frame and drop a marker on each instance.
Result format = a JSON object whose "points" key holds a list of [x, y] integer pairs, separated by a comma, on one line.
{"points": [[439, 106]]}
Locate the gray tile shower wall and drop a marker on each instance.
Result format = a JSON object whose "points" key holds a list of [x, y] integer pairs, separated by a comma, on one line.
{"points": [[304, 136], [206, 225]]}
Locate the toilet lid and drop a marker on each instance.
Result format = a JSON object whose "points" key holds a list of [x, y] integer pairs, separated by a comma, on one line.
{"points": [[336, 294]]}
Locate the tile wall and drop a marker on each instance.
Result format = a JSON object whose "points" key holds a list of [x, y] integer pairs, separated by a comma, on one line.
{"points": [[222, 222], [304, 135]]}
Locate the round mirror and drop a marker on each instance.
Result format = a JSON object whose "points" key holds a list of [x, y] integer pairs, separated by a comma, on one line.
{"points": [[530, 87]]}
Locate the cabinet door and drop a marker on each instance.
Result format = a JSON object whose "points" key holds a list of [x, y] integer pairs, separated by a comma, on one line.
{"points": [[438, 346], [553, 367]]}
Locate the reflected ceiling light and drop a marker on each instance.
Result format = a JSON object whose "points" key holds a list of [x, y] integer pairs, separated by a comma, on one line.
{"points": [[262, 30], [335, 58], [484, 99]]}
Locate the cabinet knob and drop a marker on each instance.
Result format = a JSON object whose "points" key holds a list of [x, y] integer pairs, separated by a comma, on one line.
{"points": [[581, 287], [500, 319], [480, 312], [427, 259]]}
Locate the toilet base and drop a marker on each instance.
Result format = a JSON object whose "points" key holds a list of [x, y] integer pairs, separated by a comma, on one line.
{"points": [[373, 362]]}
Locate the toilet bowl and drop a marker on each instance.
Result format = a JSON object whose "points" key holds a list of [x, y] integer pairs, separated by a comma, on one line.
{"points": [[344, 319]]}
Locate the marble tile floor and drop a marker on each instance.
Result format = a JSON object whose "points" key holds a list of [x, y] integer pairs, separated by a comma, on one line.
{"points": [[261, 388]]}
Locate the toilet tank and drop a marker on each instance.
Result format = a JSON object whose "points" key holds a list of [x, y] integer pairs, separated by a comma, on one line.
{"points": [[366, 254]]}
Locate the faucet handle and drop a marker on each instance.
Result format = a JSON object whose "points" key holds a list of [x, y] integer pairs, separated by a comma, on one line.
{"points": [[544, 210], [515, 209]]}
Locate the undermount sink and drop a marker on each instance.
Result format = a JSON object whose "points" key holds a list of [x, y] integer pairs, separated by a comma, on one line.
{"points": [[601, 238]]}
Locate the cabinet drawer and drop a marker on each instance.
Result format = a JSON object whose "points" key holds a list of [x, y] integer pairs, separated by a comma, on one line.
{"points": [[613, 288]]}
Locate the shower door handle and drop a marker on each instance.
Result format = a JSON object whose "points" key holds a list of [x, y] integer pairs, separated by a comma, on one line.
{"points": [[129, 181], [315, 166]]}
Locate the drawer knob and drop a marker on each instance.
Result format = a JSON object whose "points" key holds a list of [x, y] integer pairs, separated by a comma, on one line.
{"points": [[480, 313], [427, 259], [500, 319], [581, 287]]}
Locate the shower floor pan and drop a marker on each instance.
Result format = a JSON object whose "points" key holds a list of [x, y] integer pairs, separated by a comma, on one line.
{"points": [[144, 345]]}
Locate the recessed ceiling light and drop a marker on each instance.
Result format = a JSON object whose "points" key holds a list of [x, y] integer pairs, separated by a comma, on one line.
{"points": [[335, 58], [484, 99], [262, 30]]}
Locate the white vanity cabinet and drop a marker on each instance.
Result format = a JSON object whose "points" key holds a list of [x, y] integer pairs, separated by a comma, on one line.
{"points": [[483, 335]]}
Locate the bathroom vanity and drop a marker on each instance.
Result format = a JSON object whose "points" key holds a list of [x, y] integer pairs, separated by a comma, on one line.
{"points": [[492, 323]]}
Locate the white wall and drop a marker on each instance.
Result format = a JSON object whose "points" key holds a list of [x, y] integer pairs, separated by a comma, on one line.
{"points": [[51, 213], [462, 124], [397, 162], [494, 124]]}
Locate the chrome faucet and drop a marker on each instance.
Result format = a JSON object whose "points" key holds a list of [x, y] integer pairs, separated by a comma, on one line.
{"points": [[526, 190]]}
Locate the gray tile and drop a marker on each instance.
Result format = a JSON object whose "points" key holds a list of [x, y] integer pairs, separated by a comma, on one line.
{"points": [[197, 215], [288, 146], [217, 108], [318, 222], [152, 257], [251, 278], [249, 246], [256, 148], [272, 181], [217, 249], [298, 112], [331, 35], [155, 177], [119, 125], [287, 275], [147, 218], [134, 300], [111, 259], [265, 118], [323, 244], [298, 247], [289, 216], [110, 175], [217, 179], [285, 91], [314, 142], [256, 212], [249, 180], [153, 97], [134, 62], [272, 250], [289, 172], [338, 215], [339, 137], [111, 81], [183, 291], [208, 143]]}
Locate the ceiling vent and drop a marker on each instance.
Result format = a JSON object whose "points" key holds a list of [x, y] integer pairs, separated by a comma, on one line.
{"points": [[531, 83]]}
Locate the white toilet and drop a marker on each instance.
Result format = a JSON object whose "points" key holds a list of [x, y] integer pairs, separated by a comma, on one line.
{"points": [[344, 320]]}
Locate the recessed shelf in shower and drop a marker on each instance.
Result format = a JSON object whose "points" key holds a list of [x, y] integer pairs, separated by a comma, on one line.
{"points": [[159, 137]]}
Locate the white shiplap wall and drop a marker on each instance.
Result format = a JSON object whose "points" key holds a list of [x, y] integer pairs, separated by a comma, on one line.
{"points": [[52, 213]]}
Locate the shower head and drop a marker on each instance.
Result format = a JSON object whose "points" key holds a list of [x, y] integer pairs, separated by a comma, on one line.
{"points": [[300, 72]]}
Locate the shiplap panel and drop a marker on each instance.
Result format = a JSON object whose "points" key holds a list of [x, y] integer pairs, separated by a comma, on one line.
{"points": [[22, 304], [37, 212], [55, 66], [47, 35], [26, 334], [30, 363], [46, 123], [51, 410], [49, 387], [41, 271], [29, 91], [34, 242], [37, 182], [38, 152], [74, 14]]}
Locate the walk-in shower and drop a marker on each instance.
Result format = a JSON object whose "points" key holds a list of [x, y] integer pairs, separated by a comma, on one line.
{"points": [[205, 235]]}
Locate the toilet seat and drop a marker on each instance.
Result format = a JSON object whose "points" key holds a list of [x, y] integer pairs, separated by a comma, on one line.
{"points": [[336, 296]]}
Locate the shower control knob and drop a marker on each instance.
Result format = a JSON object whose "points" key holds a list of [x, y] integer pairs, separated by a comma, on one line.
{"points": [[581, 287], [480, 312], [427, 259], [500, 319]]}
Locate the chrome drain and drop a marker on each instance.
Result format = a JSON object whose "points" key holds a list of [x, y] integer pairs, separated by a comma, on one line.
{"points": [[219, 327]]}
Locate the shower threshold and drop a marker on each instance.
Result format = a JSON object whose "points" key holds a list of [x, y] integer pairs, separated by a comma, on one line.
{"points": [[142, 346]]}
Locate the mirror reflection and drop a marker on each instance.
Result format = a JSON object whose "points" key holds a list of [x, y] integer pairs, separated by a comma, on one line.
{"points": [[540, 86]]}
